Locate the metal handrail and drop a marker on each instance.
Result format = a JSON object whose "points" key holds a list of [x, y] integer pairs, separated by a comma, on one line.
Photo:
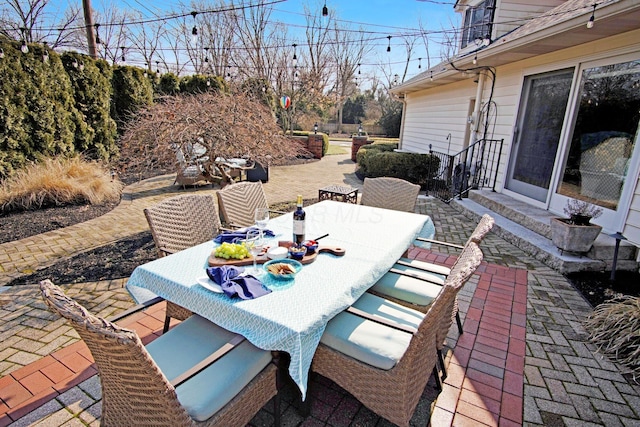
{"points": [[472, 168]]}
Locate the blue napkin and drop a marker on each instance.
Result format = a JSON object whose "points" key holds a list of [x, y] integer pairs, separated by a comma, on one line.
{"points": [[231, 236], [229, 279]]}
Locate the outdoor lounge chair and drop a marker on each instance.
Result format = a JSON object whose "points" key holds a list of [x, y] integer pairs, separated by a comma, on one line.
{"points": [[390, 193], [238, 203], [178, 223], [192, 167], [196, 374], [383, 353]]}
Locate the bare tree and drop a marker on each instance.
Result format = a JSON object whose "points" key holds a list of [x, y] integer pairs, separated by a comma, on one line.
{"points": [[226, 125], [347, 49], [145, 39], [34, 22]]}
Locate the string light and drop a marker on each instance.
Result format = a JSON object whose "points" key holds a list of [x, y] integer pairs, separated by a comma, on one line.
{"points": [[295, 57], [157, 68], [475, 59], [1, 53], [431, 78], [358, 68], [123, 58], [75, 63], [98, 41], [419, 63], [81, 66], [389, 45], [45, 53], [206, 55], [194, 30], [592, 19], [325, 10], [23, 48]]}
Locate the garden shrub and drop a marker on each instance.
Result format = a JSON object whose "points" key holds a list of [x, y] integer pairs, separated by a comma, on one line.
{"points": [[59, 181], [168, 85], [198, 83], [37, 113], [131, 91], [92, 94], [376, 160]]}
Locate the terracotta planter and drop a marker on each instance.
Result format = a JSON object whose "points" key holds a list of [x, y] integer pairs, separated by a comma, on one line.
{"points": [[573, 238]]}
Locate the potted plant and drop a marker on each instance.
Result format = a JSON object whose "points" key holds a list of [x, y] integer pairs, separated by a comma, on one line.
{"points": [[576, 233]]}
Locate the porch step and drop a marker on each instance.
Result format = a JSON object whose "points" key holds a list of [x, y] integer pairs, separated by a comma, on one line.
{"points": [[528, 228]]}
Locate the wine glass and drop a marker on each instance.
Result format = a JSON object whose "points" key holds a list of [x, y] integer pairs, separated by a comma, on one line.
{"points": [[254, 243], [262, 218]]}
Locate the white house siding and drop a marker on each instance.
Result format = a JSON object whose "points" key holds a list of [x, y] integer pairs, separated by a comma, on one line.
{"points": [[513, 13], [433, 113]]}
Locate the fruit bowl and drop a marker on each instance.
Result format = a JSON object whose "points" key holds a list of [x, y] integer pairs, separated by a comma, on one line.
{"points": [[282, 269]]}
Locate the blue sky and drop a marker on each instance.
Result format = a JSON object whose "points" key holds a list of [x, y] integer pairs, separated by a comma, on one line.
{"points": [[382, 17]]}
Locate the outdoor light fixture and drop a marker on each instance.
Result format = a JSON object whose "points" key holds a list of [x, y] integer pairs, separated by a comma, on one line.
{"points": [[158, 68], [419, 63], [23, 48], [592, 19], [389, 45], [81, 66], [360, 130], [45, 53], [206, 55], [325, 10], [315, 128], [295, 57], [431, 75], [1, 53], [123, 58], [75, 63], [96, 26], [475, 59], [194, 30]]}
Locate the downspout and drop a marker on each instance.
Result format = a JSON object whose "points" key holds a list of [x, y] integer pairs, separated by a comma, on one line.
{"points": [[474, 135], [404, 108]]}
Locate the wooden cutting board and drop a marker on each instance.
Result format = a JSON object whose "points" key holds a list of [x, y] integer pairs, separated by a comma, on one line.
{"points": [[214, 261]]}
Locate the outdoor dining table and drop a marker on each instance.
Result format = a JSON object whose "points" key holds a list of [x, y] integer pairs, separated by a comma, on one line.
{"points": [[294, 315]]}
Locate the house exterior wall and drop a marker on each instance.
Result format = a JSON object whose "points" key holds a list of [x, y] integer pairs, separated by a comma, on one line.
{"points": [[434, 113], [511, 14]]}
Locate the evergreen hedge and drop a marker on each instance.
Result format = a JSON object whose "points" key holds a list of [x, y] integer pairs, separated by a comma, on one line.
{"points": [[376, 160], [131, 91]]}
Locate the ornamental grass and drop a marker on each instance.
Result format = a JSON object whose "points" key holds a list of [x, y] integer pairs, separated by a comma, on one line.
{"points": [[57, 182], [614, 327]]}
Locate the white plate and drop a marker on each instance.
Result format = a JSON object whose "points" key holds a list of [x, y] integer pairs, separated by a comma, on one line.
{"points": [[209, 284]]}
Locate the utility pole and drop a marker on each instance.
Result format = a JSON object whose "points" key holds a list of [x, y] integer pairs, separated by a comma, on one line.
{"points": [[88, 23]]}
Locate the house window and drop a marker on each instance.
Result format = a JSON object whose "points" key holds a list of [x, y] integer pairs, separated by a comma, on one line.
{"points": [[605, 131], [477, 22]]}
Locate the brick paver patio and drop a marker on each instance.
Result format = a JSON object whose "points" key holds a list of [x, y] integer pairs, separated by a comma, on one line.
{"points": [[523, 358]]}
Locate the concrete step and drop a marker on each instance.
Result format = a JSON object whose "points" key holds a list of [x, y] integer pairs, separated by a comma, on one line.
{"points": [[527, 227]]}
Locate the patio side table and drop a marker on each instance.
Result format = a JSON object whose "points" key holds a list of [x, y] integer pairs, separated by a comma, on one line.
{"points": [[339, 193]]}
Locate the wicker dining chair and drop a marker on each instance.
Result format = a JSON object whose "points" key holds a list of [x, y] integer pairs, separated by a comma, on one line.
{"points": [[239, 201], [390, 193], [195, 374], [415, 283], [178, 223], [426, 291], [383, 363]]}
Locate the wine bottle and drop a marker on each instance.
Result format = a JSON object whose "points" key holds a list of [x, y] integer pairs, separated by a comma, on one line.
{"points": [[298, 222]]}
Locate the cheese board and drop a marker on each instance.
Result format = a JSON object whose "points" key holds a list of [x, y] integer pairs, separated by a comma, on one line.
{"points": [[215, 261]]}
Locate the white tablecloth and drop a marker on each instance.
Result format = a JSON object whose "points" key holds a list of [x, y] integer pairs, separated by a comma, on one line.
{"points": [[293, 317]]}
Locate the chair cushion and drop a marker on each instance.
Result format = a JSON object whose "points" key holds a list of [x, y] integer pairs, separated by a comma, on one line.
{"points": [[428, 266], [370, 342], [414, 291], [192, 341]]}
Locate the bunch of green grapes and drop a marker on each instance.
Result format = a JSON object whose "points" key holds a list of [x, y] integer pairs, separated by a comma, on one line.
{"points": [[231, 250]]}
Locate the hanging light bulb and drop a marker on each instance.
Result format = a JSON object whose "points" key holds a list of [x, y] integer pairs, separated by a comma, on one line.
{"points": [[45, 53], [157, 68], [295, 57], [194, 30], [389, 45], [592, 19], [475, 59], [419, 63], [325, 10], [75, 63], [358, 68], [123, 58], [81, 66], [1, 53], [206, 55], [23, 47], [145, 69], [98, 41], [431, 78]]}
